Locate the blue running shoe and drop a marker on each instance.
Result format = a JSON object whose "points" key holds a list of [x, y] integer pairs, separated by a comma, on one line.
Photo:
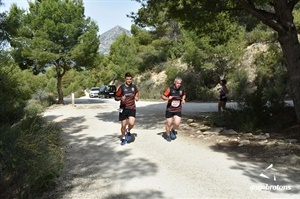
{"points": [[173, 135], [168, 138], [123, 141], [128, 135]]}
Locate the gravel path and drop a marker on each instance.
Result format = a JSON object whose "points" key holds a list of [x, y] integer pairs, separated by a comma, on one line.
{"points": [[97, 166]]}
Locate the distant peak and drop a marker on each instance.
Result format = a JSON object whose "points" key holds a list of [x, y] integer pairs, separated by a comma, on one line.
{"points": [[118, 28], [108, 37]]}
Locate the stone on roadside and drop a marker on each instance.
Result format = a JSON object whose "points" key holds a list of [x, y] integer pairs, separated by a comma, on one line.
{"points": [[244, 142], [213, 131], [294, 158], [259, 131], [229, 132], [260, 137], [190, 121], [291, 141], [204, 128], [247, 135], [193, 124]]}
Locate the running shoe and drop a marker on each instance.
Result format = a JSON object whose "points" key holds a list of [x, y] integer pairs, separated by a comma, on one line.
{"points": [[168, 138], [123, 141], [128, 135], [173, 134]]}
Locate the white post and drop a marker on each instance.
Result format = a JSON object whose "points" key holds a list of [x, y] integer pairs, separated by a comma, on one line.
{"points": [[73, 98]]}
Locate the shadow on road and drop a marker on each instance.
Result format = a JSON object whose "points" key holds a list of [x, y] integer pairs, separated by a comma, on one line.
{"points": [[152, 116], [101, 157], [84, 101], [147, 117], [96, 163], [261, 158], [146, 194]]}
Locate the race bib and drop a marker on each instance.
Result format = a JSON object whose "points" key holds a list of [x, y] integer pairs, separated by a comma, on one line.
{"points": [[175, 103]]}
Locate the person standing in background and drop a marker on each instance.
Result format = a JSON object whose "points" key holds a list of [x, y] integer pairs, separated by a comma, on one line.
{"points": [[127, 94], [176, 96], [223, 91]]}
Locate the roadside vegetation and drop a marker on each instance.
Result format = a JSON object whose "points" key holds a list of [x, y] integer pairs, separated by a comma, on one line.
{"points": [[41, 63]]}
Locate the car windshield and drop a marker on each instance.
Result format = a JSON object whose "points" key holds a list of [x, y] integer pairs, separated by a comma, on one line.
{"points": [[112, 88], [102, 88], [95, 89]]}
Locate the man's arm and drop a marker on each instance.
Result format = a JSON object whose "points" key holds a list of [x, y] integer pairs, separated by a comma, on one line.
{"points": [[165, 95], [117, 98], [183, 99], [136, 97], [118, 95]]}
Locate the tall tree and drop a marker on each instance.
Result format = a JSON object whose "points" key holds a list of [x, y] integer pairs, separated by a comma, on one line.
{"points": [[54, 33], [122, 56], [276, 14], [13, 100], [4, 28]]}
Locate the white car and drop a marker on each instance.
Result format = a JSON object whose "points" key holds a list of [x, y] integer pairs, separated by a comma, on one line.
{"points": [[94, 92]]}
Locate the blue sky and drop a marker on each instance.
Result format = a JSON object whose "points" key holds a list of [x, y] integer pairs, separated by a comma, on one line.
{"points": [[107, 13]]}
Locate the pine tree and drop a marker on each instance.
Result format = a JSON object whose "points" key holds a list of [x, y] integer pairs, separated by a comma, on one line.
{"points": [[54, 33]]}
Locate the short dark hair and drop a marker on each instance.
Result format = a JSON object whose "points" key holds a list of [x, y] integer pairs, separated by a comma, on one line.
{"points": [[224, 81], [128, 74]]}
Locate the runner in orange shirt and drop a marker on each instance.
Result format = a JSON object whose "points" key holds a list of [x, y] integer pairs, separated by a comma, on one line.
{"points": [[127, 94], [176, 95]]}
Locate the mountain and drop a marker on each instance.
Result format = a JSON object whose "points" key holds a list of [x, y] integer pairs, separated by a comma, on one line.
{"points": [[108, 37]]}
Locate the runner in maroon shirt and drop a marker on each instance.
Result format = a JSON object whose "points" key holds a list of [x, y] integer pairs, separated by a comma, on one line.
{"points": [[176, 96], [127, 94]]}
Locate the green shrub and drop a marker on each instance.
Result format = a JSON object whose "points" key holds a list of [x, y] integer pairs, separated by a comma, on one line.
{"points": [[34, 107], [251, 119], [71, 88], [237, 85], [148, 90], [172, 72], [51, 86], [31, 157], [13, 96], [45, 98], [79, 94], [259, 34]]}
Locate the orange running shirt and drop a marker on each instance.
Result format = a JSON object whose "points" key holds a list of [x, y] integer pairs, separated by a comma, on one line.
{"points": [[129, 92], [174, 105]]}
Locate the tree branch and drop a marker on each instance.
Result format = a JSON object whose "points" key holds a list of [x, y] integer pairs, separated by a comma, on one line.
{"points": [[267, 18], [292, 3]]}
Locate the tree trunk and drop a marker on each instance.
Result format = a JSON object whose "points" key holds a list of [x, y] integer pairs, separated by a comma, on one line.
{"points": [[282, 22], [291, 53], [59, 89]]}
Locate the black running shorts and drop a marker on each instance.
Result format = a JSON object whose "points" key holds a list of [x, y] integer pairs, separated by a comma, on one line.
{"points": [[223, 99], [126, 113], [171, 114]]}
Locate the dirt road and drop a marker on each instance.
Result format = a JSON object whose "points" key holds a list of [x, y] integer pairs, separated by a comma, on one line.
{"points": [[97, 166]]}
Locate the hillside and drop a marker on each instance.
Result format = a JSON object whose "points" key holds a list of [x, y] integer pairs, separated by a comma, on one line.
{"points": [[108, 37]]}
